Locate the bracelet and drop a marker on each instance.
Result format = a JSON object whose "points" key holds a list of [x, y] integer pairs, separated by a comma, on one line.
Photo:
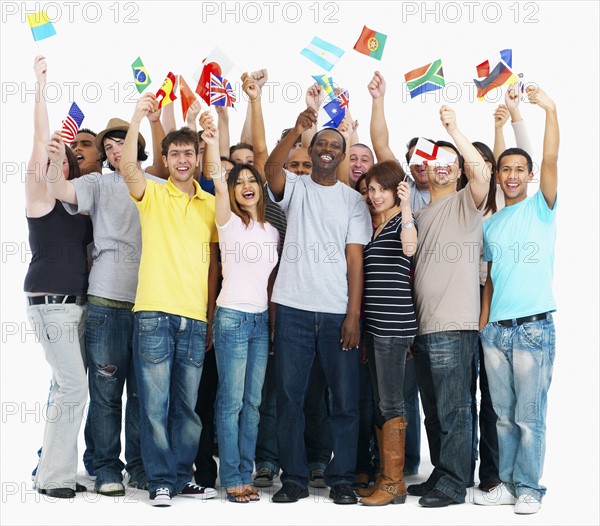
{"points": [[410, 224]]}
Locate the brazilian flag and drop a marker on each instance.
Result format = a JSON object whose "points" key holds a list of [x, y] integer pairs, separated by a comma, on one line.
{"points": [[142, 79]]}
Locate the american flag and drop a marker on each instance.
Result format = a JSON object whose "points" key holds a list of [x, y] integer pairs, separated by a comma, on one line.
{"points": [[343, 98], [221, 93], [71, 124]]}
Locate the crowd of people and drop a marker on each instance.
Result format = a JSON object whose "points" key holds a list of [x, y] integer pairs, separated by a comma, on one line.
{"points": [[287, 309]]}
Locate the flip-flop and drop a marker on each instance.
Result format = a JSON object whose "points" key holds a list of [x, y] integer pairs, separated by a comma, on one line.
{"points": [[252, 493], [237, 497]]}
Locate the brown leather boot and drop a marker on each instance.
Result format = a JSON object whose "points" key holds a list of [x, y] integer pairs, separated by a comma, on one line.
{"points": [[367, 492], [391, 489]]}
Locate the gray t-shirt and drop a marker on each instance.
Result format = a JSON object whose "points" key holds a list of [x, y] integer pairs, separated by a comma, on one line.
{"points": [[117, 234], [321, 221], [418, 198], [446, 279]]}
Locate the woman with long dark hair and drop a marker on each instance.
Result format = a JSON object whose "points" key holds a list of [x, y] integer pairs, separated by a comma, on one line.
{"points": [[241, 323]]}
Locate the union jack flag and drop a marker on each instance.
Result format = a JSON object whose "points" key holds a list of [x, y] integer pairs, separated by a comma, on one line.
{"points": [[221, 92], [343, 98], [71, 124]]}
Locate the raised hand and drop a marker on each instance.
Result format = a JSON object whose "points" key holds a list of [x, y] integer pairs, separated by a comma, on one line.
{"points": [[539, 97], [501, 116], [146, 105], [347, 128], [305, 121], [377, 86], [193, 111], [512, 96], [207, 123], [251, 86], [315, 95], [56, 148], [448, 118], [40, 67], [261, 76], [404, 193]]}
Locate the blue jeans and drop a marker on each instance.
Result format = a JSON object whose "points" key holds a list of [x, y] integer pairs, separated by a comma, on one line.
{"points": [[242, 350], [444, 362], [108, 338], [519, 362], [412, 453], [168, 353], [299, 337], [365, 454], [316, 433]]}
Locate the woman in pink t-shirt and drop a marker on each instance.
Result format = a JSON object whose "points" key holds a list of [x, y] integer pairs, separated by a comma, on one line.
{"points": [[240, 328]]}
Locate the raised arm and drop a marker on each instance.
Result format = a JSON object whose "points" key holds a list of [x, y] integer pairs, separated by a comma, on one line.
{"points": [[223, 125], [260, 77], [35, 184], [501, 116], [212, 168], [347, 128], [512, 98], [130, 168], [168, 118], [408, 233], [477, 170], [56, 182], [380, 136], [274, 166], [158, 167], [549, 168], [192, 114], [252, 89], [315, 95]]}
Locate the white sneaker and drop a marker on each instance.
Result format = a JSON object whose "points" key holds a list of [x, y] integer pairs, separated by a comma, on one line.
{"points": [[111, 489], [527, 504], [499, 496], [160, 497]]}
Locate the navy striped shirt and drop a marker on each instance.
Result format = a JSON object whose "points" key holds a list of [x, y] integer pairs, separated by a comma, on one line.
{"points": [[388, 303]]}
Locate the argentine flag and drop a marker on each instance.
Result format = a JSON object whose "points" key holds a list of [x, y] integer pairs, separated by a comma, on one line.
{"points": [[322, 53]]}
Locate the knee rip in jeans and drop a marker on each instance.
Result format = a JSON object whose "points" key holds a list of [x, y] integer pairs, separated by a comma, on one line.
{"points": [[106, 371]]}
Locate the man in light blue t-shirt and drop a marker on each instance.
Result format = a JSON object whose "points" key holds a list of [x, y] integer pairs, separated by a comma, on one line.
{"points": [[517, 331]]}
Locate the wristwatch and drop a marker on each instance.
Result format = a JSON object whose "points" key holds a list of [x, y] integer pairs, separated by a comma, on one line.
{"points": [[410, 224]]}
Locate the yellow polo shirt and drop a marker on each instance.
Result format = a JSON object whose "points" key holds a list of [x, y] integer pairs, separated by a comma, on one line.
{"points": [[176, 236]]}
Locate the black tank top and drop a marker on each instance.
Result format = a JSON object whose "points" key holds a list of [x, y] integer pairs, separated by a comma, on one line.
{"points": [[58, 243]]}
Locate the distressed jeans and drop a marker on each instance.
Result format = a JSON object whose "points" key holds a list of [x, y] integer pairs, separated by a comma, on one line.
{"points": [[519, 362]]}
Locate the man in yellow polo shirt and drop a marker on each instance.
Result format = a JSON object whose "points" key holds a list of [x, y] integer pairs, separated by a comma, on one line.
{"points": [[173, 307]]}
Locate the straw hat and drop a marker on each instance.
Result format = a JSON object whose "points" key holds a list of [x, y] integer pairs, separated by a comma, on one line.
{"points": [[116, 124]]}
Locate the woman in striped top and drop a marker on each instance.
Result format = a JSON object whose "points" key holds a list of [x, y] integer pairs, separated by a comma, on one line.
{"points": [[390, 322]]}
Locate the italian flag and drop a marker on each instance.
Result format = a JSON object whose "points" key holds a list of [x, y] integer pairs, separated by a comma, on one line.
{"points": [[370, 43]]}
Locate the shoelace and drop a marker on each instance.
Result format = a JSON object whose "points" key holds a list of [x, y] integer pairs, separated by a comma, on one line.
{"points": [[162, 492], [263, 472], [196, 487]]}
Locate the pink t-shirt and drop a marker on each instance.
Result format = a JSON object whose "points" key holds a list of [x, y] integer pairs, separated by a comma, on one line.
{"points": [[248, 255]]}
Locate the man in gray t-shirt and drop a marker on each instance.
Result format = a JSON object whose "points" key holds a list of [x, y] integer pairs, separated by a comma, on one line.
{"points": [[318, 294], [111, 293], [446, 291]]}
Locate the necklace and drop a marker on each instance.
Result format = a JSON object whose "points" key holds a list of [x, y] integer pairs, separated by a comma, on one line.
{"points": [[380, 228]]}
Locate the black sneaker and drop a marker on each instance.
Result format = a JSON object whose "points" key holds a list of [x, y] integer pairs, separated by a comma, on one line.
{"points": [[197, 492], [316, 479], [264, 478], [160, 497], [419, 490], [290, 493], [343, 494]]}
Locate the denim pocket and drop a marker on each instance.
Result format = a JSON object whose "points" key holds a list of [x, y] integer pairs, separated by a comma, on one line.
{"points": [[153, 338], [197, 348], [533, 334], [228, 322], [95, 321]]}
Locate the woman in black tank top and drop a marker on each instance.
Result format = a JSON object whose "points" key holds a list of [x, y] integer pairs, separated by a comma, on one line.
{"points": [[55, 286]]}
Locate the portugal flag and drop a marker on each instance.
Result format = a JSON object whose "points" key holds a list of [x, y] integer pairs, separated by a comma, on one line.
{"points": [[370, 43]]}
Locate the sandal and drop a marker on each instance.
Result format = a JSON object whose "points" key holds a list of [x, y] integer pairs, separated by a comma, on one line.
{"points": [[239, 497], [252, 493]]}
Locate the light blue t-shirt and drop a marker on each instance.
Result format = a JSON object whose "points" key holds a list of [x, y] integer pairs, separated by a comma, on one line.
{"points": [[519, 241], [321, 221]]}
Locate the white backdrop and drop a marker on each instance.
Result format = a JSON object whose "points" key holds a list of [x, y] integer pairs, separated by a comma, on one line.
{"points": [[555, 44]]}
